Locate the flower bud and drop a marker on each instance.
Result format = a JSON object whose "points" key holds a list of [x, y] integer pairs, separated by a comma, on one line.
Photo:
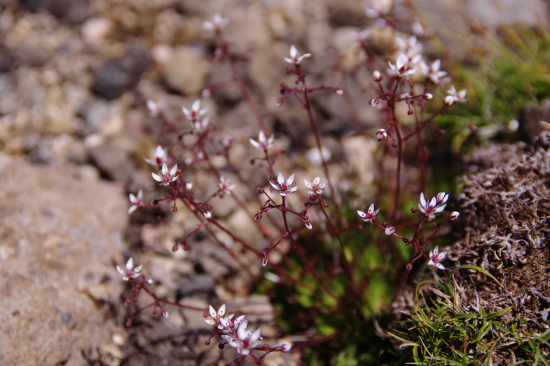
{"points": [[286, 346], [264, 261], [175, 248], [409, 112], [428, 96], [208, 214], [309, 225], [279, 102], [258, 216], [390, 230], [165, 314], [374, 102], [260, 190], [339, 91], [454, 215], [377, 76], [449, 100]]}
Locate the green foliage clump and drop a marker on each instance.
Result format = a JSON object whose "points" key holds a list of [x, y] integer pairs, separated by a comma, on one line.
{"points": [[443, 331]]}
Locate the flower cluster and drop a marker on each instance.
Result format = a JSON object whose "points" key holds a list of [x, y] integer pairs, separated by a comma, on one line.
{"points": [[234, 331]]}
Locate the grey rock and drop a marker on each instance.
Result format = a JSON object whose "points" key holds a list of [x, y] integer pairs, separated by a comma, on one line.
{"points": [[121, 74], [60, 238], [72, 11], [186, 70]]}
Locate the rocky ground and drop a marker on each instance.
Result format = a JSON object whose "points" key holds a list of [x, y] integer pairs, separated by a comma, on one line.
{"points": [[74, 127]]}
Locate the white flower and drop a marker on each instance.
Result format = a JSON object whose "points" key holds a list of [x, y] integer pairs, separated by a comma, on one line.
{"points": [[369, 215], [454, 215], [161, 156], [196, 112], [316, 187], [225, 186], [433, 72], [378, 8], [411, 47], [201, 126], [263, 143], [435, 207], [129, 271], [295, 57], [283, 187], [455, 96], [136, 201], [166, 177], [390, 230], [436, 257], [217, 23], [381, 134], [244, 340], [154, 108], [403, 66], [216, 317], [420, 30]]}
